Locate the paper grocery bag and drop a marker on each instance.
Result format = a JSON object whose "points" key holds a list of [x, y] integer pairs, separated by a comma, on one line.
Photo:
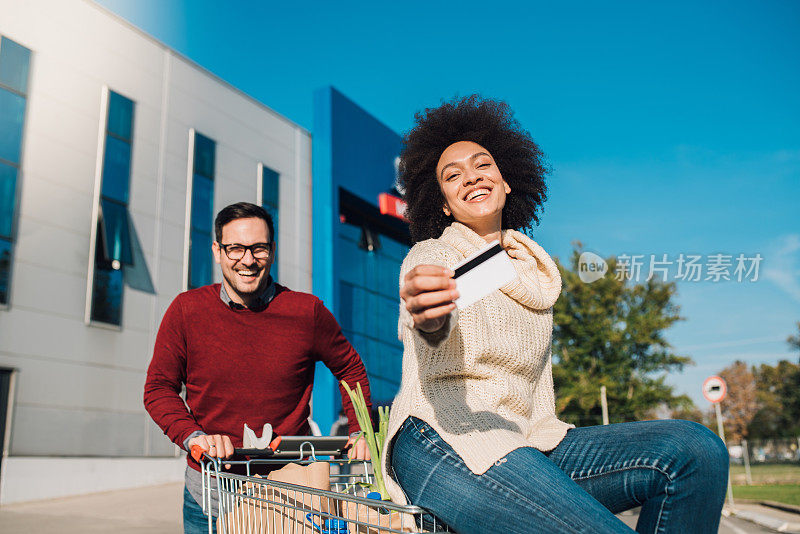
{"points": [[378, 522], [266, 509]]}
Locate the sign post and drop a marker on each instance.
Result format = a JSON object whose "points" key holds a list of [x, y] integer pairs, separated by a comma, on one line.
{"points": [[714, 390], [604, 404]]}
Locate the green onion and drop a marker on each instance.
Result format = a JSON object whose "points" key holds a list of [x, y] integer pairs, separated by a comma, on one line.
{"points": [[375, 441]]}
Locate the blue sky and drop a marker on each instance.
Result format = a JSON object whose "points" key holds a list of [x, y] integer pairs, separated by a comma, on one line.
{"points": [[670, 127]]}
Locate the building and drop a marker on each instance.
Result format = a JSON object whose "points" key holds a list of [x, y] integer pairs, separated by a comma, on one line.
{"points": [[115, 154], [358, 247]]}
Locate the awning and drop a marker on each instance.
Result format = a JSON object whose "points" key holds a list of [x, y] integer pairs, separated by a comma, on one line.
{"points": [[114, 241]]}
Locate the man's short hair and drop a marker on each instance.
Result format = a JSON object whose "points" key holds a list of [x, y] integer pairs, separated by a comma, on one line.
{"points": [[242, 210]]}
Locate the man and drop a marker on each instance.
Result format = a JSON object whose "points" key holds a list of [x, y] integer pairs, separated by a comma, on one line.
{"points": [[245, 350]]}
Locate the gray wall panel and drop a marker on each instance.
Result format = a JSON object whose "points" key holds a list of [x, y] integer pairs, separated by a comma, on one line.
{"points": [[59, 432], [79, 387]]}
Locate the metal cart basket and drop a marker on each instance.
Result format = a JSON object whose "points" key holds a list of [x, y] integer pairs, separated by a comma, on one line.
{"points": [[246, 504]]}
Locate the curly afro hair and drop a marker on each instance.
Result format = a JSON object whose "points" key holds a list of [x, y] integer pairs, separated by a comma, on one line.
{"points": [[489, 123]]}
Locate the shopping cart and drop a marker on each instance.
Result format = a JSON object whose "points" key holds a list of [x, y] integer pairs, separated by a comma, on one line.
{"points": [[250, 504]]}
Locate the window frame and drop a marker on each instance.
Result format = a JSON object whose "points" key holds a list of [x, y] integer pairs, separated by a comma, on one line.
{"points": [[96, 232], [187, 229], [93, 233], [276, 223], [11, 239]]}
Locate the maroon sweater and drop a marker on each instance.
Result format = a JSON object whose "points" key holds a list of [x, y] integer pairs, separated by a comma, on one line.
{"points": [[242, 366]]}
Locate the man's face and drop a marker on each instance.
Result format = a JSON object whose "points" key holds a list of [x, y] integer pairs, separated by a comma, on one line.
{"points": [[248, 276]]}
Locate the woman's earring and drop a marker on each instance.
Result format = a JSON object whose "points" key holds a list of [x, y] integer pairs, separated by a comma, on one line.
{"points": [[507, 187], [446, 211]]}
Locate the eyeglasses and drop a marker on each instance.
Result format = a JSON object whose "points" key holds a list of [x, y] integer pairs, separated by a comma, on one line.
{"points": [[235, 251]]}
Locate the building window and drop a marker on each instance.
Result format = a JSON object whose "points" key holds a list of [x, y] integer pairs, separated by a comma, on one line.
{"points": [[367, 305], [113, 241], [14, 66], [201, 222], [270, 201]]}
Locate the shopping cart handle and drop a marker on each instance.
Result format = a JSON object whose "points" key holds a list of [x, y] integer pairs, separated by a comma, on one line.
{"points": [[197, 452], [259, 453], [253, 453]]}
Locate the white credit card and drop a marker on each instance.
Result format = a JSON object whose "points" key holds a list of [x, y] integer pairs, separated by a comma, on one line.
{"points": [[485, 271]]}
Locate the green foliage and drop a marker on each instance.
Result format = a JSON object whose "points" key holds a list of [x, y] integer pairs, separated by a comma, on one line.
{"points": [[611, 332], [794, 341], [690, 412], [778, 394]]}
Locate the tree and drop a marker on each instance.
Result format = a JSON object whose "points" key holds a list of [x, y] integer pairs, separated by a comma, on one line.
{"points": [[768, 421], [611, 333], [794, 341], [778, 396], [740, 404], [692, 413]]}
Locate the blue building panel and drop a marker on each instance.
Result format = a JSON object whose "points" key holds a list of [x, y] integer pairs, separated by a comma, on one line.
{"points": [[363, 151], [356, 262]]}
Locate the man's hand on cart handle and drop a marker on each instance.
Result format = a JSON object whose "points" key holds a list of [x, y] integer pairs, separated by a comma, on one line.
{"points": [[215, 445], [357, 448]]}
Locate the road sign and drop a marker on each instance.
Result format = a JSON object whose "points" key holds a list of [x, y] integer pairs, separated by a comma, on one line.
{"points": [[714, 389]]}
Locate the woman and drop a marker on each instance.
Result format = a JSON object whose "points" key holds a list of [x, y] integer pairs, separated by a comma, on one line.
{"points": [[473, 433]]}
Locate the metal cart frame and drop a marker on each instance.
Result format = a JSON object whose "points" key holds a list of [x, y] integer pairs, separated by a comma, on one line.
{"points": [[248, 504]]}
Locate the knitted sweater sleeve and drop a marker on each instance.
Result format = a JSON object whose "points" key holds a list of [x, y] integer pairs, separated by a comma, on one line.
{"points": [[430, 252]]}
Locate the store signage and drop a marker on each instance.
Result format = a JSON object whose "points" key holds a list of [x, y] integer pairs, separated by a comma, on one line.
{"points": [[392, 205]]}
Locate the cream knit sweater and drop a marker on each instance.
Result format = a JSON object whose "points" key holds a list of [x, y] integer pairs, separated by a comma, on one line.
{"points": [[484, 382]]}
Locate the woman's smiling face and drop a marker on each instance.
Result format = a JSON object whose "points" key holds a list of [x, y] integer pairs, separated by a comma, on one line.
{"points": [[473, 188]]}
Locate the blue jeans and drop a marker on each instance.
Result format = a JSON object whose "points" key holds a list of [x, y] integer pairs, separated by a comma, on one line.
{"points": [[194, 520], [677, 471]]}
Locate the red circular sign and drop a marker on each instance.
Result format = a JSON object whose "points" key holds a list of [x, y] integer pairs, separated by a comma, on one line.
{"points": [[714, 389]]}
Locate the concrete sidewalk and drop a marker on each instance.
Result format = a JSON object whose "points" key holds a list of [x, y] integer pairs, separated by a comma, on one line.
{"points": [[155, 509], [768, 517]]}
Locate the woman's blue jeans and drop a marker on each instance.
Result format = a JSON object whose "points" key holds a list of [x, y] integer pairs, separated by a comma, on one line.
{"points": [[677, 471]]}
